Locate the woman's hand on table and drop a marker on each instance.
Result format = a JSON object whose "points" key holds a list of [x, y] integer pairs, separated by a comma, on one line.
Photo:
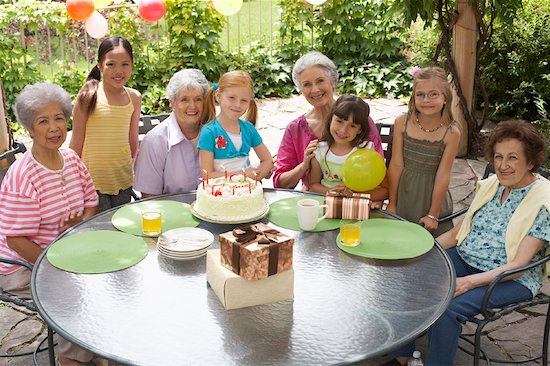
{"points": [[376, 204], [429, 223], [391, 207], [71, 219]]}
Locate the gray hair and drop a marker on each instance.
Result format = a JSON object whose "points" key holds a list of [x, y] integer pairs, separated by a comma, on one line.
{"points": [[35, 97], [314, 58], [188, 79]]}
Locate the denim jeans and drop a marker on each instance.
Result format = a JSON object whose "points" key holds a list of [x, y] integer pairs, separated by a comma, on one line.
{"points": [[443, 335]]}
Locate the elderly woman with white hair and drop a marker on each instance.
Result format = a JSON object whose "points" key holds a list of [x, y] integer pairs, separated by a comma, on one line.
{"points": [[45, 192], [316, 77], [168, 158]]}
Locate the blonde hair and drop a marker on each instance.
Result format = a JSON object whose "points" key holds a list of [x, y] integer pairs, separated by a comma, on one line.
{"points": [[234, 79], [437, 74]]}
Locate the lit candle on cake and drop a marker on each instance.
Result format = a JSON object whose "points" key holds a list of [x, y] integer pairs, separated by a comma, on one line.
{"points": [[202, 183], [244, 175], [249, 188], [224, 172], [255, 178], [205, 173]]}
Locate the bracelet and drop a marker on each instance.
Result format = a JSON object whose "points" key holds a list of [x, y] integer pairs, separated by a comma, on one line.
{"points": [[432, 217]]}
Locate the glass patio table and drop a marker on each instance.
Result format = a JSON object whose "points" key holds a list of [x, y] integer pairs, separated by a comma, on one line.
{"points": [[162, 312]]}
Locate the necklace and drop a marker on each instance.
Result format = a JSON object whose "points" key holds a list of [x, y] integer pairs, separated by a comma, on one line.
{"points": [[428, 130]]}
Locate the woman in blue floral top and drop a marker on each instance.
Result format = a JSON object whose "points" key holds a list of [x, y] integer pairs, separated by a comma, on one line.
{"points": [[507, 226]]}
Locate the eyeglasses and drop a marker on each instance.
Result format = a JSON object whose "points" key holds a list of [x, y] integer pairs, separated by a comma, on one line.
{"points": [[431, 95]]}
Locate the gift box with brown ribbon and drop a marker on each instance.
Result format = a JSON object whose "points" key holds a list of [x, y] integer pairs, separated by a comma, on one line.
{"points": [[256, 251], [345, 204]]}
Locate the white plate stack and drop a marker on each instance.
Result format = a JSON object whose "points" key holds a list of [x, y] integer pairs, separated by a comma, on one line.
{"points": [[184, 243]]}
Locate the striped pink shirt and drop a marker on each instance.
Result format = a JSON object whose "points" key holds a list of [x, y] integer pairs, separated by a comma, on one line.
{"points": [[34, 199]]}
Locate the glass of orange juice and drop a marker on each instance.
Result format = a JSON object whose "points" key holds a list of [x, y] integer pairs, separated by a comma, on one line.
{"points": [[350, 233], [151, 222]]}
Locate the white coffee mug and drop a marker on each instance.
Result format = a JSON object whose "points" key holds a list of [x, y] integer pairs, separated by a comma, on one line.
{"points": [[308, 213]]}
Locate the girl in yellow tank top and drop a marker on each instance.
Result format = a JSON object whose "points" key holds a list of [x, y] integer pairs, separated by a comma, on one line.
{"points": [[105, 123]]}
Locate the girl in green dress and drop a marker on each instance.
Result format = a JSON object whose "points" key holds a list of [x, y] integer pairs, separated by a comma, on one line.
{"points": [[425, 143]]}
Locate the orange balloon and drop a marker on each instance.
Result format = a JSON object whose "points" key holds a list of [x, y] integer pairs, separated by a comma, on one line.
{"points": [[80, 9]]}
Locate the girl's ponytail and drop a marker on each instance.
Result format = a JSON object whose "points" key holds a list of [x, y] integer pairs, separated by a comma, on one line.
{"points": [[209, 110], [87, 97], [252, 112]]}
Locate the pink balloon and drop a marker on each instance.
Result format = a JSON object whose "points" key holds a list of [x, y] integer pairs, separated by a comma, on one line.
{"points": [[96, 25], [152, 10]]}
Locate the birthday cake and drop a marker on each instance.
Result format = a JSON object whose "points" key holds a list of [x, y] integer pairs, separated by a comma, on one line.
{"points": [[232, 198]]}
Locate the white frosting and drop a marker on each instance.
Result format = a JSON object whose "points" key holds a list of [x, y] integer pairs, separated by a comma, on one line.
{"points": [[230, 198]]}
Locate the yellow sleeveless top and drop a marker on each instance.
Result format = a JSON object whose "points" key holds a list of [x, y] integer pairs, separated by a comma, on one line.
{"points": [[106, 150]]}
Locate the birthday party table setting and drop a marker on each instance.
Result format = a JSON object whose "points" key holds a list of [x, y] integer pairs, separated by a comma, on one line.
{"points": [[185, 292]]}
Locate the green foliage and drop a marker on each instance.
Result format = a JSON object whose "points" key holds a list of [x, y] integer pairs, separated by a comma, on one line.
{"points": [[361, 37], [421, 39], [270, 73], [295, 29], [194, 31], [516, 67], [17, 67]]}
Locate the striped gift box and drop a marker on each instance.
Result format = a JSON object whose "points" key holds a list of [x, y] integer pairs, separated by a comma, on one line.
{"points": [[347, 205]]}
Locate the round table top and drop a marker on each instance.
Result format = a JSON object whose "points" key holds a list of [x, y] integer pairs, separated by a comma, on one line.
{"points": [[162, 312]]}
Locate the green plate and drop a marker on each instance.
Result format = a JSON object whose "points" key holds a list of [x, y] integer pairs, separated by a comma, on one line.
{"points": [[174, 215], [99, 251], [390, 239], [283, 213]]}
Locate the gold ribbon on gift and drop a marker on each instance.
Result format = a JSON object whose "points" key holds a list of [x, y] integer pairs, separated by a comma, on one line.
{"points": [[345, 204], [247, 235]]}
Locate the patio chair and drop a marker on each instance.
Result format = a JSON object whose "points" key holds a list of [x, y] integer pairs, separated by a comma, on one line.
{"points": [[488, 315], [6, 297], [147, 123], [386, 135], [7, 158]]}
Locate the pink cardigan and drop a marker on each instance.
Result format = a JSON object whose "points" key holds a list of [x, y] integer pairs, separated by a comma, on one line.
{"points": [[295, 140]]}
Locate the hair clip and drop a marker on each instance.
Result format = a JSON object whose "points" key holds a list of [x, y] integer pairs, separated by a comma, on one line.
{"points": [[214, 86], [415, 70]]}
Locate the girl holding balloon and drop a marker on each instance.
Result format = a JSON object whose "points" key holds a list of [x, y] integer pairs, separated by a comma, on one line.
{"points": [[346, 130], [105, 123], [425, 143]]}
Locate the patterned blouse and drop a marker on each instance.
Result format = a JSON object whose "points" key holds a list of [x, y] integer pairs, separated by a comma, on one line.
{"points": [[484, 248]]}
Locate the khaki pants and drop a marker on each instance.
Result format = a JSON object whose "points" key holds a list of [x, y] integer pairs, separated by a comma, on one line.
{"points": [[18, 283]]}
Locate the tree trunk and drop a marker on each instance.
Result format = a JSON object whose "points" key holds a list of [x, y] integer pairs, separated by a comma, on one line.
{"points": [[464, 54], [4, 128]]}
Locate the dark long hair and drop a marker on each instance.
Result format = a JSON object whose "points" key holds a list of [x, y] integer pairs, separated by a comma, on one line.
{"points": [[87, 96], [345, 106]]}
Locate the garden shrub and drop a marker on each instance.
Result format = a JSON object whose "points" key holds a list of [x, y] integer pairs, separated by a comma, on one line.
{"points": [[360, 36], [516, 67], [271, 74]]}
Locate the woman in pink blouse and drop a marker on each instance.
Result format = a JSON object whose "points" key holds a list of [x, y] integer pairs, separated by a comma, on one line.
{"points": [[45, 192], [316, 77]]}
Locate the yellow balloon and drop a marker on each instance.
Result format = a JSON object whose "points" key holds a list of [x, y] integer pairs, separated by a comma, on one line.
{"points": [[99, 4], [363, 170], [227, 7]]}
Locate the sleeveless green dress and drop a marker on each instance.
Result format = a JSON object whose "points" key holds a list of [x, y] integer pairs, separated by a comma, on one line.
{"points": [[421, 159]]}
